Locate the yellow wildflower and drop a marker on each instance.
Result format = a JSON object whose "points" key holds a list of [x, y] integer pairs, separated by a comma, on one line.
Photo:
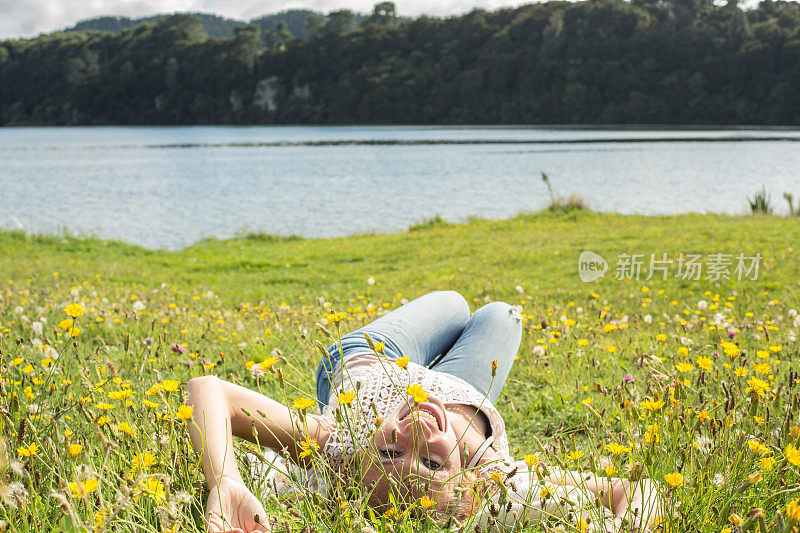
{"points": [[346, 398], [308, 447], [418, 393], [674, 479], [426, 502], [302, 403], [75, 449], [74, 310], [730, 349], [154, 487], [617, 449], [705, 363], [126, 428], [65, 324], [185, 412], [792, 455], [402, 362], [575, 455], [28, 451], [652, 405], [83, 489], [531, 460]]}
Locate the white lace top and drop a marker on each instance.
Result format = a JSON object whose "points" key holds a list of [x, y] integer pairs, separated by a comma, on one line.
{"points": [[380, 382]]}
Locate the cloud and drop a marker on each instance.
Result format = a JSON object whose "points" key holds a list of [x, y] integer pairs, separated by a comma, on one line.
{"points": [[26, 18]]}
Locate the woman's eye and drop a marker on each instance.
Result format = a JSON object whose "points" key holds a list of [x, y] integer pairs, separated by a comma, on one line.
{"points": [[389, 453], [432, 465]]}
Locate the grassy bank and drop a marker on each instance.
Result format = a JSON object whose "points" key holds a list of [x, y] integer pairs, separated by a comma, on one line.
{"points": [[219, 306]]}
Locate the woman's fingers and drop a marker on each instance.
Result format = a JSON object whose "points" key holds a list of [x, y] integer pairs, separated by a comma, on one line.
{"points": [[215, 524]]}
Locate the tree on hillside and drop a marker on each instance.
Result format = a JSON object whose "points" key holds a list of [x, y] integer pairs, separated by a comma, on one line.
{"points": [[383, 14]]}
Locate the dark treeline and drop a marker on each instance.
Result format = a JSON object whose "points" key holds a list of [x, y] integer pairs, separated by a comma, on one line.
{"points": [[589, 62], [214, 25]]}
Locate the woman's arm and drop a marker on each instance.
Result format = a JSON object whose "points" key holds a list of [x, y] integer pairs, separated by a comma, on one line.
{"points": [[218, 416], [638, 502]]}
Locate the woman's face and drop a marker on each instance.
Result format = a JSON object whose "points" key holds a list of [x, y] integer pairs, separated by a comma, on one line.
{"points": [[415, 452]]}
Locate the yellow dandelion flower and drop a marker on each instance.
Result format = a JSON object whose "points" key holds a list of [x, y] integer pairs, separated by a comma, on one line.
{"points": [[65, 324], [185, 412], [142, 461], [531, 460], [302, 403], [793, 510], [28, 451], [674, 479], [267, 363], [335, 318], [611, 470], [346, 398], [609, 327], [684, 367], [740, 371], [705, 363], [757, 447], [153, 487], [683, 351], [762, 368], [169, 385], [120, 395], [74, 332], [766, 463], [308, 447], [575, 455], [792, 455], [75, 449], [418, 393], [74, 310], [82, 489], [757, 386], [126, 428], [730, 349], [402, 362], [617, 449], [775, 349], [652, 405], [426, 502]]}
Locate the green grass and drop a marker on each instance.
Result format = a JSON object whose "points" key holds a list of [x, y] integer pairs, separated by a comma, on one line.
{"points": [[268, 293]]}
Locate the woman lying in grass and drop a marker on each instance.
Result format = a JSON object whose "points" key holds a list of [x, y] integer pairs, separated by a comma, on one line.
{"points": [[407, 414]]}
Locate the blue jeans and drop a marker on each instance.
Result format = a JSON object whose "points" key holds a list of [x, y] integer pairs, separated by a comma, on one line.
{"points": [[436, 331]]}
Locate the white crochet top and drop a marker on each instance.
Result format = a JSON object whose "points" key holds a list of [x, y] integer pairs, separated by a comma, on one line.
{"points": [[380, 382]]}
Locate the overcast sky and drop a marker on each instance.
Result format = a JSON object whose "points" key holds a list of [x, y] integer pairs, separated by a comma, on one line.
{"points": [[26, 18]]}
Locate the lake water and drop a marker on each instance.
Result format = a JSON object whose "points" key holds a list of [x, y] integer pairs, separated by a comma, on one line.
{"points": [[167, 187]]}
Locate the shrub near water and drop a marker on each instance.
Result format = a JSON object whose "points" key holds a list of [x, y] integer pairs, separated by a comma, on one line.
{"points": [[696, 389]]}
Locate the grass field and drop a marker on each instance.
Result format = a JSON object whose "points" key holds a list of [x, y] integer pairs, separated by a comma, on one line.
{"points": [[696, 380]]}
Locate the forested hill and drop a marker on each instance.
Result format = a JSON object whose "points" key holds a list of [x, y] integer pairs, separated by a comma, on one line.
{"points": [[213, 25], [590, 62]]}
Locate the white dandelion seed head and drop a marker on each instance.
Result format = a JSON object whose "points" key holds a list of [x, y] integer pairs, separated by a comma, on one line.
{"points": [[648, 319]]}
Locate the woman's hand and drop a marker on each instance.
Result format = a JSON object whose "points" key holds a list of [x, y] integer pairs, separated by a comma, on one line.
{"points": [[639, 503], [232, 508]]}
